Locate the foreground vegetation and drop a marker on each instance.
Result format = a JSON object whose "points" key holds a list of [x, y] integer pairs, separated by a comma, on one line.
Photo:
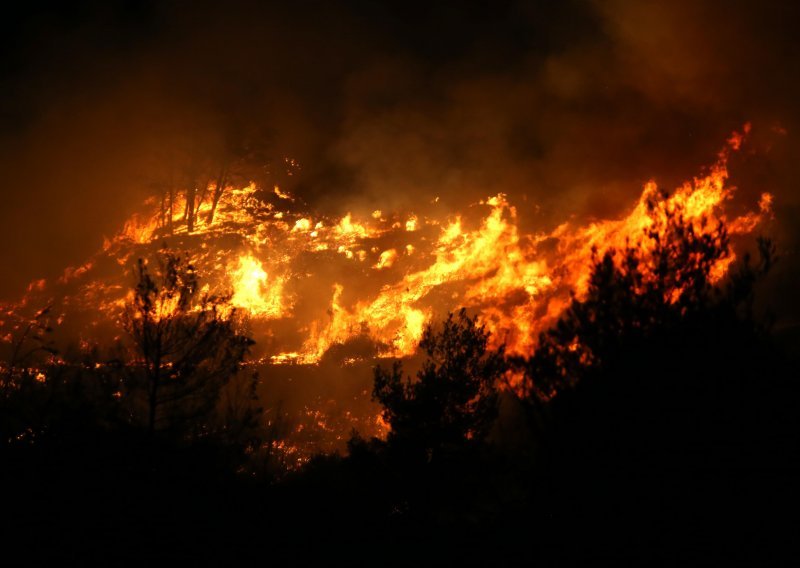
{"points": [[657, 421]]}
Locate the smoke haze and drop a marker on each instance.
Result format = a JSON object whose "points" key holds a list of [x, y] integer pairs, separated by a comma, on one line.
{"points": [[566, 107]]}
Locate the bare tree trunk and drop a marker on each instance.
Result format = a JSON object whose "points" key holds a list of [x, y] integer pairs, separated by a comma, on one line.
{"points": [[163, 217], [189, 214], [202, 198], [171, 193], [192, 172], [218, 189]]}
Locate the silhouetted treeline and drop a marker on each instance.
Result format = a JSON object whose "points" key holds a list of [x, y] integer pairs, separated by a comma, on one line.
{"points": [[656, 423]]}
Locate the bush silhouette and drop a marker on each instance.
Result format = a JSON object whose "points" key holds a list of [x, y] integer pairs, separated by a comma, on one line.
{"points": [[452, 401]]}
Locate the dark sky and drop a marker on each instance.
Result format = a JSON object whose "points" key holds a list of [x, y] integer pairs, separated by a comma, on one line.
{"points": [[385, 104]]}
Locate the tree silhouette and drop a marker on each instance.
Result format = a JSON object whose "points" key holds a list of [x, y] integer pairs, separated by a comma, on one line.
{"points": [[25, 378], [661, 404], [658, 283], [32, 340], [186, 346], [453, 399]]}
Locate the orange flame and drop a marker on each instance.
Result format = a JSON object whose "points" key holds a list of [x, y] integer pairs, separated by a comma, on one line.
{"points": [[254, 291], [392, 273]]}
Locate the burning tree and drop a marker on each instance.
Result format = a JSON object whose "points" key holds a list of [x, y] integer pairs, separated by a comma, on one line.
{"points": [[187, 346], [454, 399], [661, 377], [205, 165], [661, 282]]}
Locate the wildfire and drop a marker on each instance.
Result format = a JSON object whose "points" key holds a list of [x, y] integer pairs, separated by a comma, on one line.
{"points": [[309, 282], [518, 289], [394, 272], [254, 291]]}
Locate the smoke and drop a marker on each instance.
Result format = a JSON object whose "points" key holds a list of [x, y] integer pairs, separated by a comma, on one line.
{"points": [[567, 107]]}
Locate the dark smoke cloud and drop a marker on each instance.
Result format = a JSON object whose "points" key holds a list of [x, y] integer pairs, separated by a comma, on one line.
{"points": [[567, 107]]}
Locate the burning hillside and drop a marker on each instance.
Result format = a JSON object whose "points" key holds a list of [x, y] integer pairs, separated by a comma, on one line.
{"points": [[492, 283], [345, 291]]}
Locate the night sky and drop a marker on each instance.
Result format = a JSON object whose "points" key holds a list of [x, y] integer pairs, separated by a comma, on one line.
{"points": [[568, 107]]}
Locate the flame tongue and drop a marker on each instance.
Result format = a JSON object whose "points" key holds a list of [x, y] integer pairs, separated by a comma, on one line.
{"points": [[518, 288], [255, 291], [310, 282], [347, 289]]}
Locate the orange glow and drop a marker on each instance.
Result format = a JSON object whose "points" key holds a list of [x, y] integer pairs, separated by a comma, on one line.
{"points": [[311, 285], [254, 291], [311, 281]]}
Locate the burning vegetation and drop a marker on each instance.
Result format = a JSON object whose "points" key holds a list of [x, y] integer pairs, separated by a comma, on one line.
{"points": [[342, 292], [378, 283], [226, 337], [395, 271]]}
